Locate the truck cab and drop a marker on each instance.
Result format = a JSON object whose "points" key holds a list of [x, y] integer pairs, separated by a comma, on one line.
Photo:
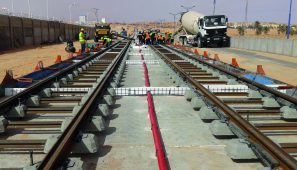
{"points": [[101, 30], [212, 31]]}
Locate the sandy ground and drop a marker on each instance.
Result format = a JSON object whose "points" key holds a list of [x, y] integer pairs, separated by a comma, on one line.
{"points": [[22, 62], [280, 67]]}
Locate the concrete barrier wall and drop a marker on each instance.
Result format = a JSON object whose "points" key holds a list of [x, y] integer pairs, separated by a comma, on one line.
{"points": [[277, 46], [16, 32]]}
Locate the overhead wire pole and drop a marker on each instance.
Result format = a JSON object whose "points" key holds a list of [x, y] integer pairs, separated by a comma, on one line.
{"points": [[289, 21], [214, 7], [246, 10], [29, 7], [161, 23], [188, 8], [174, 19], [70, 12], [47, 16], [95, 10], [12, 7]]}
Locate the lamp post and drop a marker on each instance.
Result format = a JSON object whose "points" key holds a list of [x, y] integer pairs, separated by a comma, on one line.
{"points": [[70, 12], [289, 21], [214, 7], [29, 7], [188, 8], [12, 7], [246, 10], [47, 16], [174, 18], [95, 10]]}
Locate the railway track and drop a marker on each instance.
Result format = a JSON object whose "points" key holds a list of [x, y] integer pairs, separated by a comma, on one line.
{"points": [[261, 120], [54, 114]]}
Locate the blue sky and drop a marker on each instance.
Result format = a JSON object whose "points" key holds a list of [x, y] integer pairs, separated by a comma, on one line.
{"points": [[154, 10]]}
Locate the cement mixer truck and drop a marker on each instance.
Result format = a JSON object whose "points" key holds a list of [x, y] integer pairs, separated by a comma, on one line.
{"points": [[204, 31]]}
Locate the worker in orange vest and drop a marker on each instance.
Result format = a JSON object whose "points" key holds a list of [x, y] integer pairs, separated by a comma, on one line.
{"points": [[147, 38], [160, 38]]}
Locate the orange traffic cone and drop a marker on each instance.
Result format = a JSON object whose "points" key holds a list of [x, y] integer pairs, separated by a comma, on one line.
{"points": [[205, 54], [260, 70], [234, 62], [216, 57], [39, 66], [79, 52], [196, 52], [58, 59], [87, 50]]}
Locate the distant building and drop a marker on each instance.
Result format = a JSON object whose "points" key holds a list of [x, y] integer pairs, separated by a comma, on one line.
{"points": [[82, 20]]}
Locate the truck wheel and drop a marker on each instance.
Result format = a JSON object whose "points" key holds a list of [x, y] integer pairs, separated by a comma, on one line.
{"points": [[199, 43]]}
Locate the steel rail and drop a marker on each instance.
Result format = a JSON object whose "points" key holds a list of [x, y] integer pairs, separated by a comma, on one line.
{"points": [[284, 159], [241, 78], [41, 84], [62, 147]]}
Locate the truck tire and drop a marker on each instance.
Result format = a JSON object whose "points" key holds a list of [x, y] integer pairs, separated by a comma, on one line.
{"points": [[199, 43]]}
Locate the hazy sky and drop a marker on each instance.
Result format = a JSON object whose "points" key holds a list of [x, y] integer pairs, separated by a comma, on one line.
{"points": [[154, 10]]}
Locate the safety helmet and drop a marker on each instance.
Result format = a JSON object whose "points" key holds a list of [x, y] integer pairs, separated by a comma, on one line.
{"points": [[82, 29]]}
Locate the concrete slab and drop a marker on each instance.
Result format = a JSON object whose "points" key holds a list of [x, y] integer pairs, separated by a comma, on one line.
{"points": [[133, 77], [158, 76], [127, 143], [188, 141]]}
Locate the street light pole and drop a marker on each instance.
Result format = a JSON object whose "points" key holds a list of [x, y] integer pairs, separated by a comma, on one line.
{"points": [[29, 6], [47, 16], [12, 7], [96, 13], [174, 17], [214, 7], [289, 21], [70, 12], [188, 8], [246, 10]]}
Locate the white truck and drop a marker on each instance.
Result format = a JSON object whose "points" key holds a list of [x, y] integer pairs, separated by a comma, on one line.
{"points": [[203, 31]]}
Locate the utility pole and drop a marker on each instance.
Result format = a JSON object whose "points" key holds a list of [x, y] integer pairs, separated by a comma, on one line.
{"points": [[174, 19], [214, 7], [95, 10], [289, 21], [246, 10], [70, 12], [47, 16], [188, 8], [161, 23], [12, 7], [29, 6]]}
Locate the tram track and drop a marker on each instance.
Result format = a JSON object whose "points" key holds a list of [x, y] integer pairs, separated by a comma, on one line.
{"points": [[252, 116], [40, 110]]}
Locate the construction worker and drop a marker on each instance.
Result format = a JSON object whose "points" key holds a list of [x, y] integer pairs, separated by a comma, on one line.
{"points": [[108, 41], [147, 38], [82, 40], [153, 38], [160, 39]]}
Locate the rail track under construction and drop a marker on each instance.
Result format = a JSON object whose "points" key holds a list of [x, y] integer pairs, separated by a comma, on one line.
{"points": [[142, 104], [253, 115]]}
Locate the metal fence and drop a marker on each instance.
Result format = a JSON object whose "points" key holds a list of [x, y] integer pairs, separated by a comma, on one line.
{"points": [[20, 31]]}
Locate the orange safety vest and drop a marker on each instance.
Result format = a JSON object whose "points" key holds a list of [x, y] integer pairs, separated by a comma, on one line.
{"points": [[160, 37], [147, 36]]}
